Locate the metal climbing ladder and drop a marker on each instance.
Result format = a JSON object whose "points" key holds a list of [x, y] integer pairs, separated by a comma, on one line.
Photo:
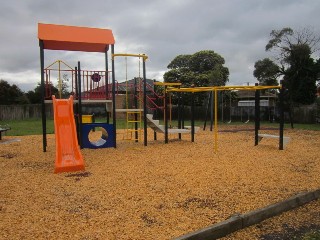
{"points": [[133, 125]]}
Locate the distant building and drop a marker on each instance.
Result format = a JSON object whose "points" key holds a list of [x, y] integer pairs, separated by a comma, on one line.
{"points": [[246, 98]]}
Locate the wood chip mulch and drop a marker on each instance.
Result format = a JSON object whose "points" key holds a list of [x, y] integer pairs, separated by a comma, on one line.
{"points": [[160, 191]]}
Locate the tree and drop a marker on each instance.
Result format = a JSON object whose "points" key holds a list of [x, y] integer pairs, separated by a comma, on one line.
{"points": [[11, 94], [293, 54], [300, 78], [266, 72], [282, 41], [181, 61], [64, 86], [203, 68], [299, 70], [35, 95]]}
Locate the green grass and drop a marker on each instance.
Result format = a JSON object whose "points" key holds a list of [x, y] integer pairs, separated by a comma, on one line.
{"points": [[34, 126], [27, 127], [315, 127]]}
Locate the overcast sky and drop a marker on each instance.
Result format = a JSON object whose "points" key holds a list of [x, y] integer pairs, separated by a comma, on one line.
{"points": [[238, 30]]}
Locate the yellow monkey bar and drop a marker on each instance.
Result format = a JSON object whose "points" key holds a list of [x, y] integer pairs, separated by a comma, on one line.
{"points": [[215, 89], [220, 88]]}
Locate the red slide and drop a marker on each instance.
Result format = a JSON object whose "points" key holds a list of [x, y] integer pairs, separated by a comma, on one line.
{"points": [[68, 155]]}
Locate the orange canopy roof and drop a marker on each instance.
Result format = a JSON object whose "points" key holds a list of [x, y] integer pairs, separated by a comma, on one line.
{"points": [[71, 38]]}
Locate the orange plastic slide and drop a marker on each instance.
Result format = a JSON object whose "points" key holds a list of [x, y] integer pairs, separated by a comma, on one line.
{"points": [[68, 155]]}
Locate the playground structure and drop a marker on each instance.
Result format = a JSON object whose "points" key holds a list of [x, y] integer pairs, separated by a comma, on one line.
{"points": [[94, 86], [134, 112], [70, 38], [256, 88], [86, 85]]}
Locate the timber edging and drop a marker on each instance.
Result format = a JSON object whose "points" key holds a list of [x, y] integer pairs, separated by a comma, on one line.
{"points": [[240, 221]]}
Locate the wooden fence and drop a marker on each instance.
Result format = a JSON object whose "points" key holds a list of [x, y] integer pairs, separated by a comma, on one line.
{"points": [[303, 114], [21, 112]]}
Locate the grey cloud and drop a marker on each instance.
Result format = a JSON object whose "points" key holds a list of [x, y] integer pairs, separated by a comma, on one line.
{"points": [[236, 29]]}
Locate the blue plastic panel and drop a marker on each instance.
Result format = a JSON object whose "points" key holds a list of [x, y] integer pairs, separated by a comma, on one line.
{"points": [[101, 143]]}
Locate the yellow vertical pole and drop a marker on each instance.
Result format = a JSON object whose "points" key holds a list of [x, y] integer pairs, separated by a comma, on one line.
{"points": [[215, 121], [59, 80], [127, 99], [164, 103]]}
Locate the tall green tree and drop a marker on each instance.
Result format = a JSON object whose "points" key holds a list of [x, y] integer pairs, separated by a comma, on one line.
{"points": [[293, 53], [180, 61], [266, 72], [11, 94], [203, 68], [300, 77], [299, 70]]}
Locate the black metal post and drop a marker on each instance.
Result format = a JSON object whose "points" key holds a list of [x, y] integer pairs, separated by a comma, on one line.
{"points": [[155, 111], [75, 72], [80, 104], [182, 110], [43, 106], [106, 74], [166, 139], [179, 113], [211, 110], [114, 97], [192, 117], [281, 109], [257, 116], [207, 111], [108, 118], [145, 126], [77, 104], [107, 80]]}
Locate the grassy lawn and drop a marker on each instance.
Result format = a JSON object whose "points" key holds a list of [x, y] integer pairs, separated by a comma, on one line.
{"points": [[27, 127], [315, 127], [34, 126]]}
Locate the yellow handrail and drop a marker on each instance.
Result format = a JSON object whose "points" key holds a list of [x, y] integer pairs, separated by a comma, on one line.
{"points": [[145, 57]]}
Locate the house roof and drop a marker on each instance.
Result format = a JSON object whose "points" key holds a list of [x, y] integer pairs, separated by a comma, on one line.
{"points": [[72, 38], [122, 86], [251, 94]]}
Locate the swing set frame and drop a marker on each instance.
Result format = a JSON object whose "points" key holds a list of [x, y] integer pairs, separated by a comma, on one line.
{"points": [[256, 88]]}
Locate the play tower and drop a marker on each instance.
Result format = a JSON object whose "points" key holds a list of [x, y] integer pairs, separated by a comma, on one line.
{"points": [[72, 38]]}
